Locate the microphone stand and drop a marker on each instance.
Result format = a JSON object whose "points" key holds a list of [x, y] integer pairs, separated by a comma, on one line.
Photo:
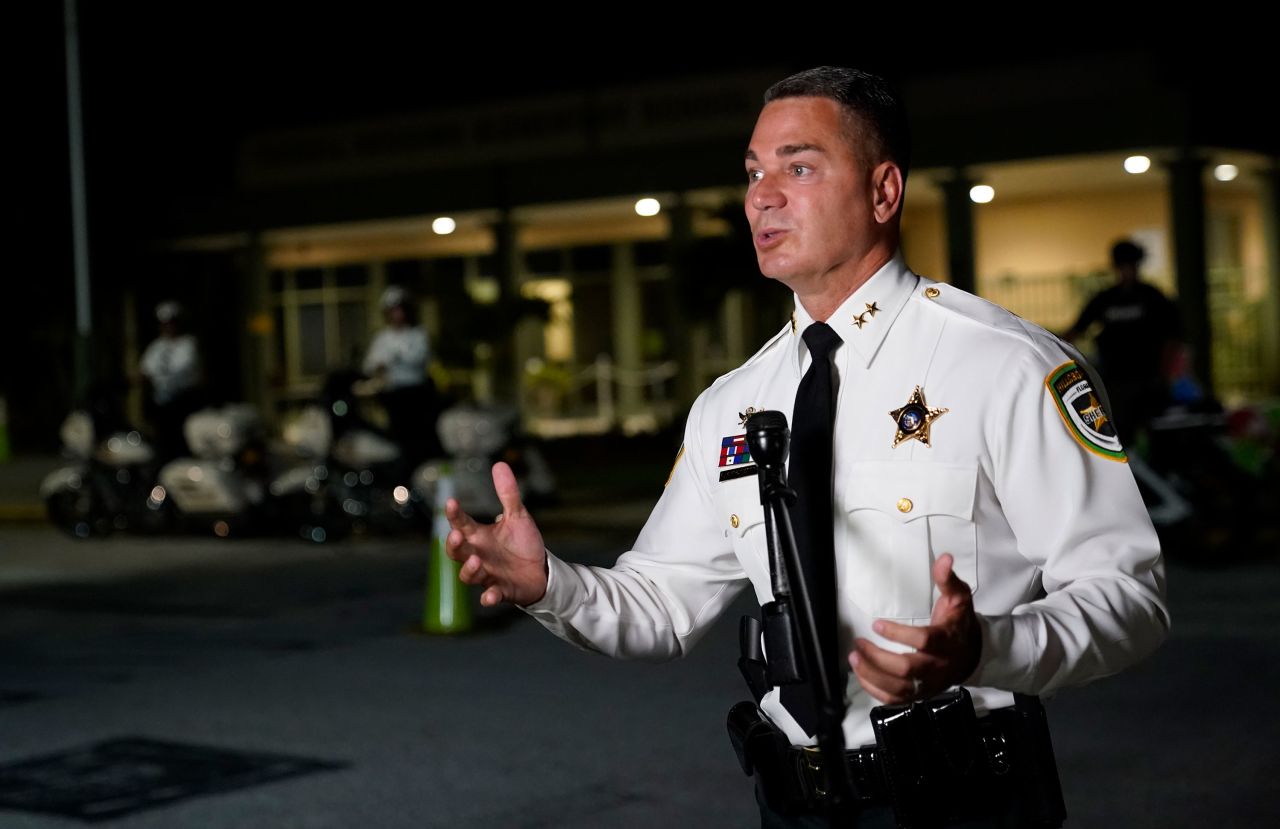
{"points": [[768, 437]]}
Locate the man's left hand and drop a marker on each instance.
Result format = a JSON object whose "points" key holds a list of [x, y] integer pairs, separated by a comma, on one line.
{"points": [[946, 650]]}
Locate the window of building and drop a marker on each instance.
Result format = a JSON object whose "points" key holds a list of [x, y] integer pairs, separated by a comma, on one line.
{"points": [[322, 323]]}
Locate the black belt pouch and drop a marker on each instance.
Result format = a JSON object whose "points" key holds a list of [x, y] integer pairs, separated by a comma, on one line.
{"points": [[930, 753], [762, 750]]}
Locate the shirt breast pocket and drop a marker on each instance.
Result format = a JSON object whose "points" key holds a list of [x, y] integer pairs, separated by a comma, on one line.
{"points": [[898, 518], [741, 516]]}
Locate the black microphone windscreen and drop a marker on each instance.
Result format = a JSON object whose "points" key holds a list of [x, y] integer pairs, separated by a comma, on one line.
{"points": [[770, 419]]}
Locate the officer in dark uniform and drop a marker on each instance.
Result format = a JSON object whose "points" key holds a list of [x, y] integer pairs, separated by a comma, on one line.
{"points": [[1138, 332]]}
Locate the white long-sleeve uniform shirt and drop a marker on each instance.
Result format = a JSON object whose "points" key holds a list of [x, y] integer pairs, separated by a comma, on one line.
{"points": [[172, 365], [402, 352], [1022, 482]]}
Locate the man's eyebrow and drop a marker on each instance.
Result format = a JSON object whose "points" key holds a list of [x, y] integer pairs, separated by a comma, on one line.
{"points": [[788, 149], [794, 149]]}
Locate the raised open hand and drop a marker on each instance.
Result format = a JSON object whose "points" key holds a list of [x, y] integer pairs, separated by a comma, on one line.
{"points": [[506, 557]]}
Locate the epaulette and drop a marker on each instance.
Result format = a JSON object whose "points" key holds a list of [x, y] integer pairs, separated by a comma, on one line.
{"points": [[953, 300]]}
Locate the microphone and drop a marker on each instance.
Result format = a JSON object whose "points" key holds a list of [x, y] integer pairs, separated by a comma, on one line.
{"points": [[768, 437]]}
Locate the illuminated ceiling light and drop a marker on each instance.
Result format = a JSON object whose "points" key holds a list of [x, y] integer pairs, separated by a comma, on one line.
{"points": [[1137, 164], [1226, 172], [444, 225], [648, 207], [982, 193]]}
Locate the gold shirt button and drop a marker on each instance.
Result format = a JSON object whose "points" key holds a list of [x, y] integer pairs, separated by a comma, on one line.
{"points": [[932, 292], [734, 522], [905, 505]]}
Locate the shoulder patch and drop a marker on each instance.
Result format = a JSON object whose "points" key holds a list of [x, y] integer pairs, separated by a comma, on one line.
{"points": [[676, 463], [1082, 412]]}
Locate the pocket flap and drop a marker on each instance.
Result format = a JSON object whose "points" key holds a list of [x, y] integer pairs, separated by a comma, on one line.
{"points": [[738, 503], [911, 490]]}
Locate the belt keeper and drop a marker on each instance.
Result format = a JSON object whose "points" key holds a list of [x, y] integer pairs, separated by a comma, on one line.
{"points": [[813, 774]]}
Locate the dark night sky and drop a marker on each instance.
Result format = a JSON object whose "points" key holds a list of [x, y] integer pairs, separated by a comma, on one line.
{"points": [[170, 88]]}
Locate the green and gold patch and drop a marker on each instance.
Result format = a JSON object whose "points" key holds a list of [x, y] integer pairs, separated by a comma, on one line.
{"points": [[1082, 411]]}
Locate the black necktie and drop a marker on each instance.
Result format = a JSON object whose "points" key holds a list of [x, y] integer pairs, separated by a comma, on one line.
{"points": [[810, 476]]}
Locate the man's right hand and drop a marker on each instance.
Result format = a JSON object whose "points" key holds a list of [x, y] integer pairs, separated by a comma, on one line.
{"points": [[506, 557]]}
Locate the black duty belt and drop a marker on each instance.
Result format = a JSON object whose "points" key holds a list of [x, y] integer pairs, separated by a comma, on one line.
{"points": [[933, 762], [810, 776]]}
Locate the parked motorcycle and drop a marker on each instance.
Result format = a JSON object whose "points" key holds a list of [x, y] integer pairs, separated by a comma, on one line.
{"points": [[352, 477], [222, 488], [476, 437], [111, 484], [1208, 507]]}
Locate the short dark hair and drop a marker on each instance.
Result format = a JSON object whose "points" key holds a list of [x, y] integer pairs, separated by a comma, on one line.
{"points": [[1126, 252], [873, 107]]}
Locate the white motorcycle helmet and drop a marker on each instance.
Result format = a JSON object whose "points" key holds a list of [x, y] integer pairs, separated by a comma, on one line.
{"points": [[394, 296], [168, 311]]}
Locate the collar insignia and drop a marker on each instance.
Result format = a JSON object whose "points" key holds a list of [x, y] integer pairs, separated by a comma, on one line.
{"points": [[865, 317], [915, 419]]}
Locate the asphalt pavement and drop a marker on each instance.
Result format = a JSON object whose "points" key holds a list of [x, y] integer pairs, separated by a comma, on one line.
{"points": [[162, 682]]}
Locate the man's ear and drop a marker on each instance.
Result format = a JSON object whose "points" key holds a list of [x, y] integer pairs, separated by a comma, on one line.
{"points": [[887, 187]]}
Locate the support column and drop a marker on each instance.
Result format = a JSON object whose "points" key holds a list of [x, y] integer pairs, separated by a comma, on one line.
{"points": [[690, 336], [1270, 328], [628, 330], [131, 352], [506, 253], [961, 261], [256, 343], [1186, 193], [734, 317]]}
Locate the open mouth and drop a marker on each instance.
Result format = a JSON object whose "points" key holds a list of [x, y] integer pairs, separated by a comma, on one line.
{"points": [[769, 237]]}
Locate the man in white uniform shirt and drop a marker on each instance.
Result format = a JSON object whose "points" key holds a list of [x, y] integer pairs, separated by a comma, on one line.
{"points": [[987, 530], [397, 359], [170, 365]]}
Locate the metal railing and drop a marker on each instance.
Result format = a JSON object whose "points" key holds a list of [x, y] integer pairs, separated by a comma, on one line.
{"points": [[588, 401], [1235, 317]]}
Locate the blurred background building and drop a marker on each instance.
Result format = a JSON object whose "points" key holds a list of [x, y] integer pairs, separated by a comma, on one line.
{"points": [[572, 230]]}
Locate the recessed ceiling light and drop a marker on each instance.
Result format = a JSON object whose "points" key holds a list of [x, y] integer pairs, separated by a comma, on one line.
{"points": [[444, 226], [1226, 172], [982, 193], [1137, 164], [648, 207]]}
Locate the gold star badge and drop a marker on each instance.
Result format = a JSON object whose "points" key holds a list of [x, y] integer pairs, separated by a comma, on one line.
{"points": [[865, 317], [915, 419], [1094, 414], [793, 322], [742, 416]]}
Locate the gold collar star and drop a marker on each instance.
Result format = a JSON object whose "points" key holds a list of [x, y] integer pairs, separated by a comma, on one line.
{"points": [[793, 322], [863, 318], [915, 419]]}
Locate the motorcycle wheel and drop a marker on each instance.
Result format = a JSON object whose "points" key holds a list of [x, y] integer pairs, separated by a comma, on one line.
{"points": [[315, 518], [78, 513]]}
